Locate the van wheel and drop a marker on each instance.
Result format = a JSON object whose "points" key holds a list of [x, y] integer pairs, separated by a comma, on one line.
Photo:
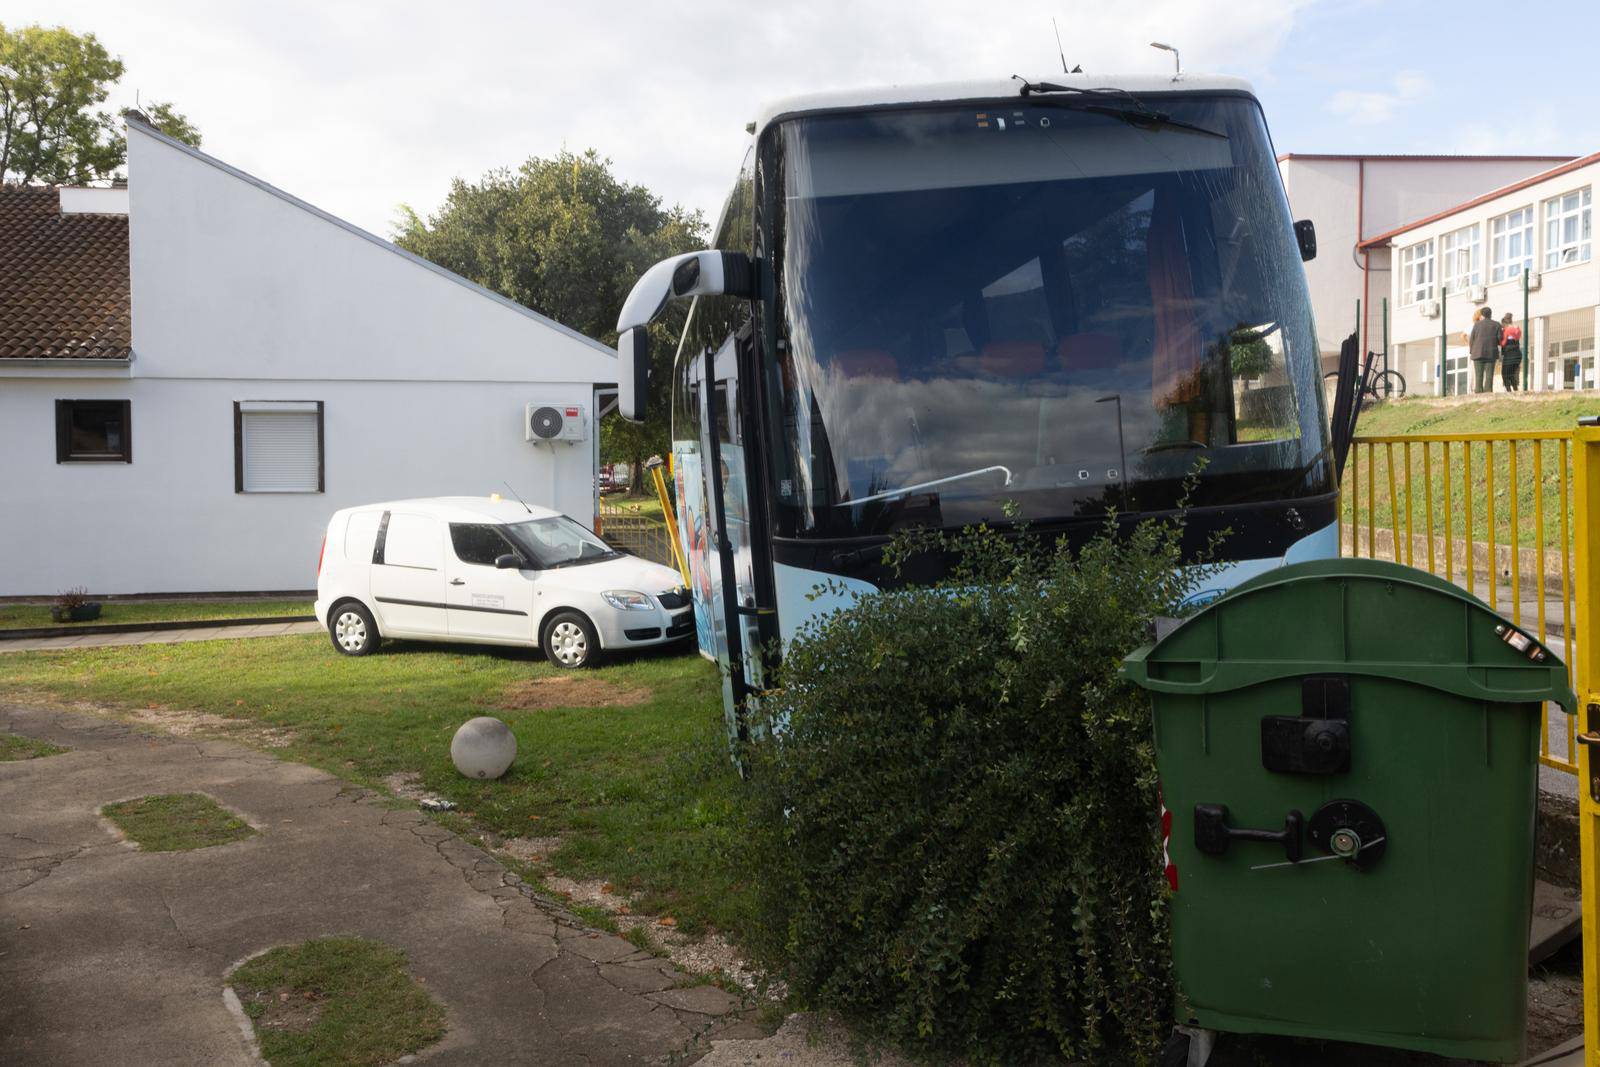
{"points": [[353, 630], [570, 641]]}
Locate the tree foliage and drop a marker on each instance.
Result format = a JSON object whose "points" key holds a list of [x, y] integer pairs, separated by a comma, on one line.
{"points": [[956, 839], [565, 236], [53, 128]]}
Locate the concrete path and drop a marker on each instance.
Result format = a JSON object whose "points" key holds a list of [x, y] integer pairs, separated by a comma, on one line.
{"points": [[115, 956], [198, 632]]}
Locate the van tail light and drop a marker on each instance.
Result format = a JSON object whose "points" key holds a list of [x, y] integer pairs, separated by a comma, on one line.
{"points": [[321, 552]]}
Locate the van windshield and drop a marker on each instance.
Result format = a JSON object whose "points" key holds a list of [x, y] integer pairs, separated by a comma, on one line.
{"points": [[1038, 306], [557, 542]]}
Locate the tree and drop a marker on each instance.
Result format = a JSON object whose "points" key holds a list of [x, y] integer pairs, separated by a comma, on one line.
{"points": [[172, 122], [566, 237], [52, 127]]}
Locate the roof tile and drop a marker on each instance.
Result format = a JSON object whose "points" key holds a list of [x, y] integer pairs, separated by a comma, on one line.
{"points": [[63, 280]]}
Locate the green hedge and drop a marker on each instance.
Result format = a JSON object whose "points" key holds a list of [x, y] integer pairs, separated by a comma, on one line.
{"points": [[956, 830]]}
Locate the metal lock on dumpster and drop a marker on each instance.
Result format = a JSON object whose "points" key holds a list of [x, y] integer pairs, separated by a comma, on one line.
{"points": [[1348, 752]]}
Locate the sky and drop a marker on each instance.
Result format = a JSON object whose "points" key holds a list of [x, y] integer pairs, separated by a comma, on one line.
{"points": [[360, 107]]}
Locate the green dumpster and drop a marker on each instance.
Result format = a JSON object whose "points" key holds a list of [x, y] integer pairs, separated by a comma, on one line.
{"points": [[1348, 752]]}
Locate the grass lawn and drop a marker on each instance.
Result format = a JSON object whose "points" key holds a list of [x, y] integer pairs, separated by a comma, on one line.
{"points": [[642, 796], [14, 747], [17, 616], [177, 822], [644, 507], [1369, 472], [342, 1001]]}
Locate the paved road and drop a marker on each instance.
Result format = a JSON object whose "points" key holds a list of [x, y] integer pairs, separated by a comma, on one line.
{"points": [[199, 632], [111, 955]]}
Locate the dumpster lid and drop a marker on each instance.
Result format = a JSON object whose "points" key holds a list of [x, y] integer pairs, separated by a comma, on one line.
{"points": [[1353, 617]]}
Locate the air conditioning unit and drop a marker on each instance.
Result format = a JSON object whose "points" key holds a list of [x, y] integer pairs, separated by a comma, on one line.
{"points": [[1430, 309], [1479, 294], [555, 422]]}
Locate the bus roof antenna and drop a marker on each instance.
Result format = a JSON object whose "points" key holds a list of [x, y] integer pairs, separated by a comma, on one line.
{"points": [[1062, 52], [1177, 62]]}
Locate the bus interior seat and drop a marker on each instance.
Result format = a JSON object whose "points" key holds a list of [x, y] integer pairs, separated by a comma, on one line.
{"points": [[867, 363], [1012, 359], [1089, 351]]}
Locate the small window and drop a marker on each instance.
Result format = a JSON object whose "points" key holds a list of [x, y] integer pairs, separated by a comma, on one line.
{"points": [[93, 431], [412, 541], [478, 543], [277, 446]]}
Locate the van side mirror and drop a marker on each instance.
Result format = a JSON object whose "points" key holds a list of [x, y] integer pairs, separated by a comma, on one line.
{"points": [[1305, 233], [707, 273], [510, 562]]}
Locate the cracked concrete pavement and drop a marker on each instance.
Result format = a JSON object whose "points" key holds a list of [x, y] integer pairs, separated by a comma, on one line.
{"points": [[111, 955]]}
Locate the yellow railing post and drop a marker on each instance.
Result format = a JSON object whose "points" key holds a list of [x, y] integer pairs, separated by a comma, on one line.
{"points": [[1586, 543], [671, 521]]}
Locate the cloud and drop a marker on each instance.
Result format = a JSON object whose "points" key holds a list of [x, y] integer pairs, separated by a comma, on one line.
{"points": [[357, 107], [1369, 108]]}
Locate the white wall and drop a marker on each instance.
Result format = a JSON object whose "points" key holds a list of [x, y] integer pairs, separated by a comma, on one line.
{"points": [[240, 293], [171, 522]]}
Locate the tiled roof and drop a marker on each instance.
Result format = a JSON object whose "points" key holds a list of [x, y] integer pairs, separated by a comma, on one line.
{"points": [[63, 280]]}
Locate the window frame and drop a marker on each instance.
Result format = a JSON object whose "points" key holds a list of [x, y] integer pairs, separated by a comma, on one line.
{"points": [[1500, 257], [1584, 245], [1468, 239], [1410, 264], [64, 432], [238, 450]]}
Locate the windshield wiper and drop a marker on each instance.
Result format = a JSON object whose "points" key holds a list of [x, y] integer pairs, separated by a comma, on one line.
{"points": [[919, 486], [1134, 112]]}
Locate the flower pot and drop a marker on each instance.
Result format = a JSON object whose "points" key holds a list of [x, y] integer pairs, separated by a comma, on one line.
{"points": [[77, 613]]}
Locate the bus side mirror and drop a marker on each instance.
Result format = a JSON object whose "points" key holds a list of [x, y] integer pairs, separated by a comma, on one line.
{"points": [[633, 373], [1305, 232], [707, 273]]}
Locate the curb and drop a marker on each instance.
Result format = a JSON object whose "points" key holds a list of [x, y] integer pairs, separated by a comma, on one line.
{"points": [[32, 632]]}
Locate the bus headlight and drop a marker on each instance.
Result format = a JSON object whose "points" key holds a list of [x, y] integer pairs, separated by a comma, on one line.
{"points": [[627, 600]]}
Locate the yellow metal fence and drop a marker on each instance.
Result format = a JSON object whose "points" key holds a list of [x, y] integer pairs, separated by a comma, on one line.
{"points": [[1493, 513]]}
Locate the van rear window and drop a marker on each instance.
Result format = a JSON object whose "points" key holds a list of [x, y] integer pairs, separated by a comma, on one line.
{"points": [[359, 535]]}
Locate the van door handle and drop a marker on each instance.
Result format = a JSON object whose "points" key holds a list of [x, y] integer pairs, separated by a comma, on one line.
{"points": [[458, 581]]}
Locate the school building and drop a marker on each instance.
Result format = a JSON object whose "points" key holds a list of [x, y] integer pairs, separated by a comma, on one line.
{"points": [[1525, 247]]}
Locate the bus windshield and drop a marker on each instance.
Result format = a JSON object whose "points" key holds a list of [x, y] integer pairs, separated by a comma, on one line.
{"points": [[1037, 309]]}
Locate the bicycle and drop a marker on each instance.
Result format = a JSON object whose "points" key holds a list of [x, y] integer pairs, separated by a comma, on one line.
{"points": [[1380, 385]]}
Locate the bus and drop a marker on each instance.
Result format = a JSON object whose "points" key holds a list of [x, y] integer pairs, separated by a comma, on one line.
{"points": [[1029, 304]]}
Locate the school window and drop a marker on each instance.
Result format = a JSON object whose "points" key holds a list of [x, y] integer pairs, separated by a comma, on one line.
{"points": [[1511, 244], [1567, 236], [277, 446], [1460, 258], [93, 431], [1416, 272]]}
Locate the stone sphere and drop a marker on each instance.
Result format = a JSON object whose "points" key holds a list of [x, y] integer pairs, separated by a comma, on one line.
{"points": [[483, 748]]}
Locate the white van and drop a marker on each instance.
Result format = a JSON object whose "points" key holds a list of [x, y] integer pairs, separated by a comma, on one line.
{"points": [[490, 571]]}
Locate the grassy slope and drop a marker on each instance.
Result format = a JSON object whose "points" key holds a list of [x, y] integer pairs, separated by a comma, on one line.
{"points": [[1371, 470], [15, 616], [643, 797]]}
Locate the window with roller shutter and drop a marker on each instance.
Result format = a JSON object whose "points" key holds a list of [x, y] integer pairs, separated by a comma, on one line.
{"points": [[278, 446]]}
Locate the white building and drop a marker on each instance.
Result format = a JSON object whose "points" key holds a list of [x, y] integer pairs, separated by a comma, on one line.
{"points": [[1477, 253], [1352, 198], [197, 370]]}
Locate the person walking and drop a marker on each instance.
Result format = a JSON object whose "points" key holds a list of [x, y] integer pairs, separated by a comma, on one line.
{"points": [[1510, 354], [1484, 347]]}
